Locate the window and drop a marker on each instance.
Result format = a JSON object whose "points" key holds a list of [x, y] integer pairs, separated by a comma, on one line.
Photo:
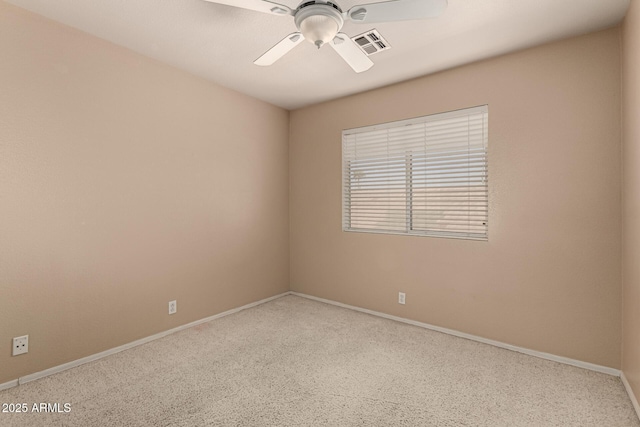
{"points": [[425, 176]]}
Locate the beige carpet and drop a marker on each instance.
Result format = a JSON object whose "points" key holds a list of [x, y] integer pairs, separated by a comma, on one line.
{"points": [[296, 362]]}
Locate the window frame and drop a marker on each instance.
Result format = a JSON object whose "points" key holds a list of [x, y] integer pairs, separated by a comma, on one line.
{"points": [[410, 229]]}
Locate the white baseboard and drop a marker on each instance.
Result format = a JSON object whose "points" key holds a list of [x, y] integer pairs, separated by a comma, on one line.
{"points": [[8, 384], [630, 392], [540, 354], [73, 364]]}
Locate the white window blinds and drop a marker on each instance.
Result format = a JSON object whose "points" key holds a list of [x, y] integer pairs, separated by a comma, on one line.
{"points": [[423, 176]]}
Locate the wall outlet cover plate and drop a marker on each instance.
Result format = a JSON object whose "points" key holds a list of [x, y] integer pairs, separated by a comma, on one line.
{"points": [[20, 345]]}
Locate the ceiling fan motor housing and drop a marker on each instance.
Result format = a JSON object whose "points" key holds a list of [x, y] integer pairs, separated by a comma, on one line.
{"points": [[319, 22]]}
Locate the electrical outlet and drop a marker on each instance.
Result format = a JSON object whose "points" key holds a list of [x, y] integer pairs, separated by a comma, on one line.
{"points": [[401, 297], [20, 345], [173, 307]]}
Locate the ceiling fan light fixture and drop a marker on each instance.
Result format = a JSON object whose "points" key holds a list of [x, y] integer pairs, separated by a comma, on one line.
{"points": [[319, 23]]}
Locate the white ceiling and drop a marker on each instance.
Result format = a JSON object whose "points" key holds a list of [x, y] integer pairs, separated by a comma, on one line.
{"points": [[220, 42]]}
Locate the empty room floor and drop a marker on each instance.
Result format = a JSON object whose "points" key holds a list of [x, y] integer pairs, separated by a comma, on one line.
{"points": [[298, 362]]}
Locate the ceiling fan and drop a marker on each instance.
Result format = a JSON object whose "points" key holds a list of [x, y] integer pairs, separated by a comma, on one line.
{"points": [[320, 21]]}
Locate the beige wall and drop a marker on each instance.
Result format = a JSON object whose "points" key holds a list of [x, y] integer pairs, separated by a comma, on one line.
{"points": [[631, 195], [549, 276], [124, 184]]}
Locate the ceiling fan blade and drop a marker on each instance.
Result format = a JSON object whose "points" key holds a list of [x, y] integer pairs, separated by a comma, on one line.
{"points": [[351, 53], [396, 10], [257, 5], [279, 50]]}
